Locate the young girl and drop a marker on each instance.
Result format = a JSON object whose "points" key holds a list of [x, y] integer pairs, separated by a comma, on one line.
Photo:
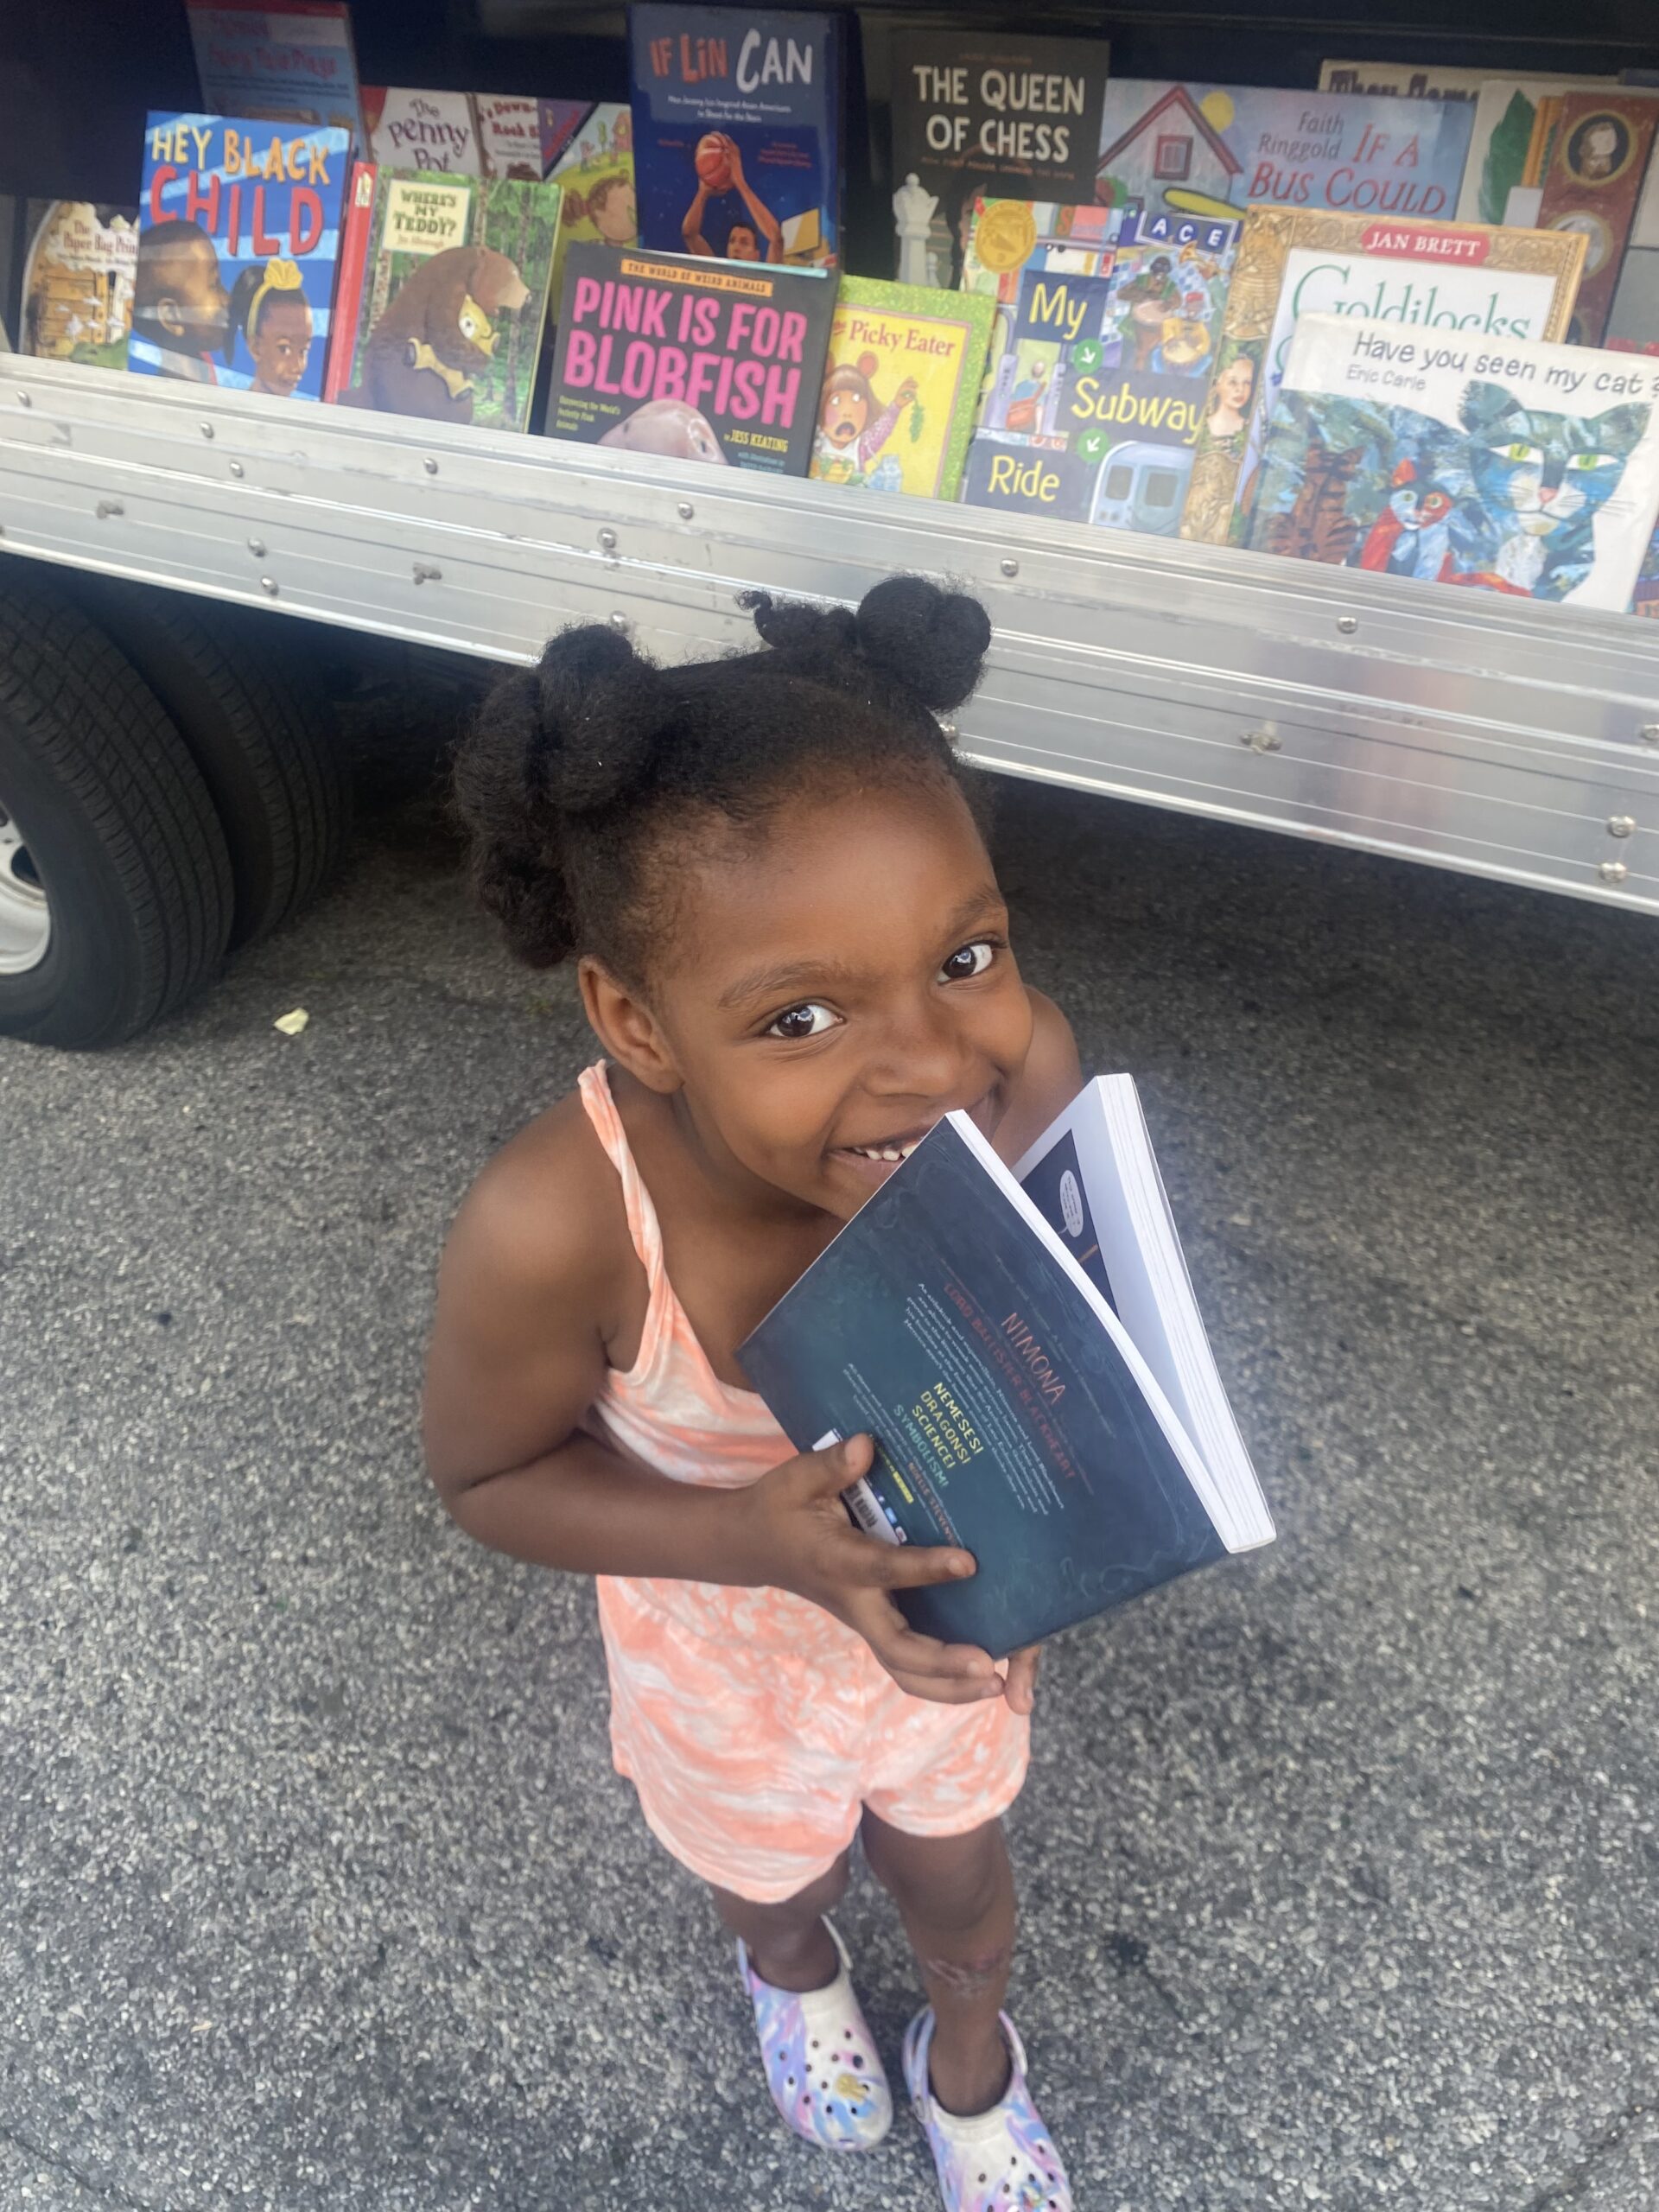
{"points": [[792, 951], [268, 308]]}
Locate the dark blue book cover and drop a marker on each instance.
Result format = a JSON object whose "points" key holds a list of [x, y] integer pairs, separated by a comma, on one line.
{"points": [[1009, 1412], [239, 240], [737, 123]]}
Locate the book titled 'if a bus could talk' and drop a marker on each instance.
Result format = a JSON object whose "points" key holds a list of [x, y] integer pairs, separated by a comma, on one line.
{"points": [[1025, 1348]]}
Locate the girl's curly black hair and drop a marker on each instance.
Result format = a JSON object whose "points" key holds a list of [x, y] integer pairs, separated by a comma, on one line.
{"points": [[579, 774]]}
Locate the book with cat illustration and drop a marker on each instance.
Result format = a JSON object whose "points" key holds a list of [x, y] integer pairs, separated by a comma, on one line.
{"points": [[449, 279], [1443, 277], [676, 356], [901, 387], [1507, 466], [1025, 1348]]}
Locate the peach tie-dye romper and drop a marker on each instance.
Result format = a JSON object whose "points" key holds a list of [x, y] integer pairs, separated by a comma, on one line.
{"points": [[754, 1725]]}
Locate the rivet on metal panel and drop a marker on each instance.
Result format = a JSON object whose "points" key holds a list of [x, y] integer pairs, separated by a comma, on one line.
{"points": [[237, 468], [685, 511], [426, 574], [429, 466], [23, 399], [1347, 624], [1649, 733], [1621, 825], [1010, 568], [206, 430], [1265, 740], [105, 508], [257, 547], [269, 583], [1612, 871], [619, 622], [607, 540]]}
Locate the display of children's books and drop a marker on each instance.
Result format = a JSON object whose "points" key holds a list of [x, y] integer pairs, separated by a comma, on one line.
{"points": [[901, 387], [294, 63], [1508, 151], [238, 235], [77, 290], [695, 358], [992, 113], [1292, 262], [523, 138], [1207, 150], [737, 132], [1004, 238], [1110, 373], [1603, 145], [412, 130], [596, 174], [1501, 464], [1402, 79], [452, 294]]}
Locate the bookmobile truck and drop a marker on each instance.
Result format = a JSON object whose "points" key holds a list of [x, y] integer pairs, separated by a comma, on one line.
{"points": [[168, 787]]}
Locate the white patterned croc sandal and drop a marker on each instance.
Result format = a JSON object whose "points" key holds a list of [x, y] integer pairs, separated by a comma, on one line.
{"points": [[1002, 2160], [826, 2078]]}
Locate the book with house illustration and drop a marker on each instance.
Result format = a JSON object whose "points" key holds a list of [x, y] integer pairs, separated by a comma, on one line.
{"points": [[994, 114], [1505, 465], [239, 231], [1593, 188], [680, 357], [1004, 238], [737, 132], [291, 64], [78, 280], [1109, 371], [1430, 277], [449, 276], [1025, 1350], [1509, 149], [1209, 149], [901, 387]]}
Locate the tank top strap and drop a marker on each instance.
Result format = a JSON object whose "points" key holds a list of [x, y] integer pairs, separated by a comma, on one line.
{"points": [[643, 1228]]}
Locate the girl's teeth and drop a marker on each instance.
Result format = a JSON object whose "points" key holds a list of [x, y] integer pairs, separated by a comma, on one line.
{"points": [[893, 1153]]}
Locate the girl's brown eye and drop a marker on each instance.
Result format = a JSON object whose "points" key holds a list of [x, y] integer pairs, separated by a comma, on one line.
{"points": [[969, 960], [807, 1019]]}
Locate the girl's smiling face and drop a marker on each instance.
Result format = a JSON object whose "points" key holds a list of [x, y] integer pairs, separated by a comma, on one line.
{"points": [[281, 345], [839, 979]]}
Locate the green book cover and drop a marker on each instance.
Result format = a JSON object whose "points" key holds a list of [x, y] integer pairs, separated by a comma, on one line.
{"points": [[454, 297], [901, 387]]}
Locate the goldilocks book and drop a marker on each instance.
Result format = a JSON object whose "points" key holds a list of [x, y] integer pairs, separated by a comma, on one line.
{"points": [[901, 387], [1025, 1348]]}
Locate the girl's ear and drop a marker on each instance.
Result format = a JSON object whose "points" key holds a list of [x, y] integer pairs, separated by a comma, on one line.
{"points": [[626, 1027]]}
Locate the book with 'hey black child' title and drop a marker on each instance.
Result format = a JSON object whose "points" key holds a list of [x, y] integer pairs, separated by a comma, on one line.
{"points": [[1024, 1349]]}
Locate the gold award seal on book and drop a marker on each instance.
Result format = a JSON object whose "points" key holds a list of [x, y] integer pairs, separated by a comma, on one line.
{"points": [[1007, 236]]}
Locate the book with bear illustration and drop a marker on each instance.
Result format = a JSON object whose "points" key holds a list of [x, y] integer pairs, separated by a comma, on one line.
{"points": [[240, 228], [444, 292], [902, 387], [1502, 464], [675, 355], [737, 132], [1440, 277]]}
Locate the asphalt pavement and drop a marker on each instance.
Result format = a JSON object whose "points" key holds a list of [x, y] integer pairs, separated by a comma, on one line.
{"points": [[1339, 1864]]}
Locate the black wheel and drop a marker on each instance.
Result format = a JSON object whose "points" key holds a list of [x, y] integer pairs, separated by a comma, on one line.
{"points": [[257, 727], [115, 882]]}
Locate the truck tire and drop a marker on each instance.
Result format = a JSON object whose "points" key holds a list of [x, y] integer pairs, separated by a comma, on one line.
{"points": [[115, 882], [257, 730]]}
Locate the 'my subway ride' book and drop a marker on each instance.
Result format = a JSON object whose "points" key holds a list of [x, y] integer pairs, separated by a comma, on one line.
{"points": [[690, 359]]}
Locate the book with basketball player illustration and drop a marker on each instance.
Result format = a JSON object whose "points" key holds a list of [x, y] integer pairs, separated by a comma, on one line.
{"points": [[678, 356], [1024, 1349], [993, 114], [78, 279], [1500, 464], [737, 132], [594, 175], [294, 63], [1109, 371], [239, 226], [449, 279], [1293, 261], [1004, 238], [902, 388], [1593, 187]]}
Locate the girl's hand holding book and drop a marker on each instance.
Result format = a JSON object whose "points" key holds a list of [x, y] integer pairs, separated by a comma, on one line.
{"points": [[799, 1538]]}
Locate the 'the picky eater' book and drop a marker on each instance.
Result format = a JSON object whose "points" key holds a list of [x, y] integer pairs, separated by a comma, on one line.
{"points": [[737, 132], [677, 355], [902, 388], [1024, 1349], [450, 291], [238, 237]]}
